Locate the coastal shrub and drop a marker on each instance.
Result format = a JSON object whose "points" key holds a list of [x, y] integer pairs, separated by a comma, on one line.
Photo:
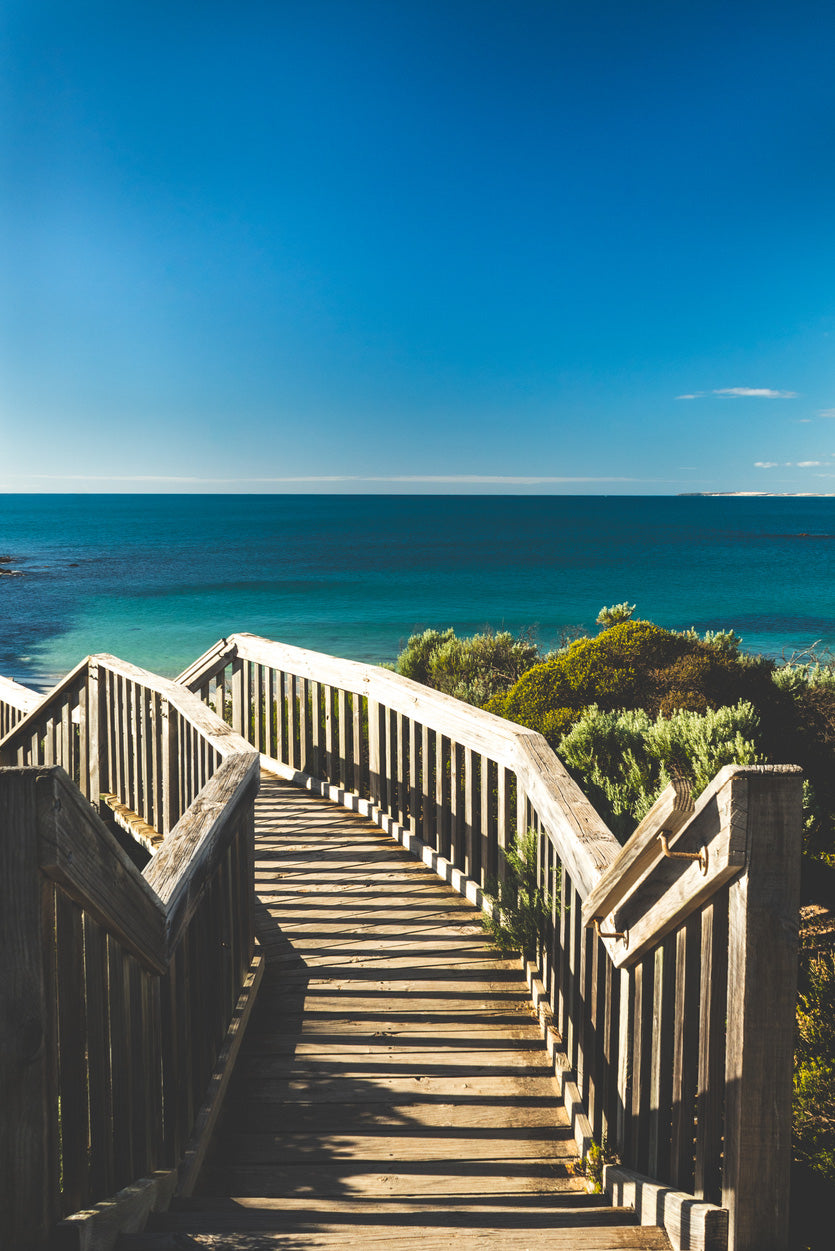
{"points": [[814, 1075], [614, 614], [614, 670], [472, 669], [624, 760], [521, 906]]}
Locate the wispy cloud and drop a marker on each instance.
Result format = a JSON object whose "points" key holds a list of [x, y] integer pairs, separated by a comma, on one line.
{"points": [[735, 393], [808, 464], [463, 479], [765, 464], [826, 412]]}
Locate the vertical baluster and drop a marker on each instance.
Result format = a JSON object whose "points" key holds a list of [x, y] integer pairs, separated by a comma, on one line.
{"points": [[304, 689], [343, 776], [712, 1013], [685, 1053], [125, 793], [661, 1074], [442, 780], [135, 732], [84, 731], [456, 807], [294, 755], [147, 809], [467, 862], [316, 755], [402, 751], [98, 1061], [358, 754], [65, 754], [414, 778], [641, 1056], [489, 856], [503, 820], [330, 725], [170, 767], [120, 1050], [269, 696], [280, 734], [375, 747], [427, 755], [158, 820], [611, 1024], [238, 668], [258, 706], [220, 695]]}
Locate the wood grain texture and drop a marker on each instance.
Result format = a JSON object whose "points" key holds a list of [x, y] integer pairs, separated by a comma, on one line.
{"points": [[762, 970], [77, 850], [669, 813], [389, 1061], [29, 1125]]}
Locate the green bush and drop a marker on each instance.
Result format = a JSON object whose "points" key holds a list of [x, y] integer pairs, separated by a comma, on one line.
{"points": [[614, 614], [814, 1075], [624, 760], [617, 669], [521, 907], [472, 669]]}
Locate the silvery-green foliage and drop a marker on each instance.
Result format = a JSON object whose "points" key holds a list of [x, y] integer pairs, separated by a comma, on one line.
{"points": [[626, 759], [614, 614], [472, 669]]}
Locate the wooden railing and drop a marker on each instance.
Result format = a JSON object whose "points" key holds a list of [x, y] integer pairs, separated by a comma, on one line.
{"points": [[117, 729], [666, 984], [118, 987], [15, 702]]}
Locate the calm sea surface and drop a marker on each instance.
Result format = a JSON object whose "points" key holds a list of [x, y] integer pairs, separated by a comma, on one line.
{"points": [[157, 579]]}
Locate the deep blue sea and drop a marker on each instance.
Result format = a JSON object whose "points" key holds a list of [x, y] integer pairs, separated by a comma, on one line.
{"points": [[157, 579]]}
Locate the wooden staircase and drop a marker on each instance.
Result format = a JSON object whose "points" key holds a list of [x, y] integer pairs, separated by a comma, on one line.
{"points": [[393, 1088]]}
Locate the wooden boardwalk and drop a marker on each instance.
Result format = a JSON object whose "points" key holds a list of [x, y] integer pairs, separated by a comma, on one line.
{"points": [[392, 1088]]}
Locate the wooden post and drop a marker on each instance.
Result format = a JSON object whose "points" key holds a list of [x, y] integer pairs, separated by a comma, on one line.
{"points": [[762, 975], [28, 1096]]}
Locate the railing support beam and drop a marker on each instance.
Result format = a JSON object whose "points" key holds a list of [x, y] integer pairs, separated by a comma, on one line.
{"points": [[762, 984]]}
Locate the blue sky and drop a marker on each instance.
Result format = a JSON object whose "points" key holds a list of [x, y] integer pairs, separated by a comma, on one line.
{"points": [[348, 245]]}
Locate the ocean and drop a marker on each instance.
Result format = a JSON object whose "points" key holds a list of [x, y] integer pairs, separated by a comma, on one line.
{"points": [[156, 579]]}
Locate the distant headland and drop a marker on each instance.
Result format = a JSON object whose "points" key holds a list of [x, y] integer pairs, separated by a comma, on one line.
{"points": [[765, 494]]}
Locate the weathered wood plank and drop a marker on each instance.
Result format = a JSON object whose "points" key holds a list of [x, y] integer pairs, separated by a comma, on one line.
{"points": [[762, 956], [29, 1124], [184, 864], [77, 850], [670, 812]]}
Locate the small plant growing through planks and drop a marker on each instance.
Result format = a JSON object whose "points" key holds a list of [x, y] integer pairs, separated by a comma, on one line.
{"points": [[522, 904]]}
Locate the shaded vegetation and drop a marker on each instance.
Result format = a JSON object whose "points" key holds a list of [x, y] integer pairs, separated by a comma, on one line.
{"points": [[521, 907]]}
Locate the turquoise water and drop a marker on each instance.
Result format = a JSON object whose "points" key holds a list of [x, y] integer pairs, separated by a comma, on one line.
{"points": [[157, 579]]}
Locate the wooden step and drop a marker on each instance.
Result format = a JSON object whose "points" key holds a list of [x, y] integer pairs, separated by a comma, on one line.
{"points": [[255, 1224], [395, 1237], [393, 1090]]}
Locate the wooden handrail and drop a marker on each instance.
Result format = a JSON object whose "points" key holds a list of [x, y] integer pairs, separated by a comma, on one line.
{"points": [[117, 989], [17, 696], [188, 857], [130, 1026], [76, 850], [15, 702], [640, 1019]]}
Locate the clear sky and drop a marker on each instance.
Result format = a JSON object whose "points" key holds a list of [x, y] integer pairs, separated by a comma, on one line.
{"points": [[417, 245]]}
